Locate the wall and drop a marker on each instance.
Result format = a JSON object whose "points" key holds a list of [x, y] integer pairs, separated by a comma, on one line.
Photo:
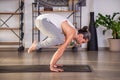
{"points": [[105, 7], [9, 6], [28, 23], [102, 6]]}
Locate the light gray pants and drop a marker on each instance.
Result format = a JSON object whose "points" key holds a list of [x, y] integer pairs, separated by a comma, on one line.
{"points": [[54, 35]]}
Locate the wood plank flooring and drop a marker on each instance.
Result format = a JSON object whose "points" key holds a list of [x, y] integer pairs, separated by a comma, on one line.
{"points": [[105, 65]]}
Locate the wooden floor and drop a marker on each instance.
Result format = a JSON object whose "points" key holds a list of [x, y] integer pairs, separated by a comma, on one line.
{"points": [[105, 65]]}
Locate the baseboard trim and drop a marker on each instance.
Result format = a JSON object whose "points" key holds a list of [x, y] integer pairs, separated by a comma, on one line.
{"points": [[50, 49], [8, 49], [103, 48]]}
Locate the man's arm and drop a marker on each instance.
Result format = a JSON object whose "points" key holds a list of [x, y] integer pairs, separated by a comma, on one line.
{"points": [[69, 32], [60, 51]]}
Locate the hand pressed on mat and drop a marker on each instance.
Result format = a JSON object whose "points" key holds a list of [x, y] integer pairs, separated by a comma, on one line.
{"points": [[55, 68]]}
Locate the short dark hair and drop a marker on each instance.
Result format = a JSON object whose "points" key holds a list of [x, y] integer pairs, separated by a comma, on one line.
{"points": [[85, 32]]}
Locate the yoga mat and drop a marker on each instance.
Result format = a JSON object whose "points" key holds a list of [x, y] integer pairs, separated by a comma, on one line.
{"points": [[42, 68]]}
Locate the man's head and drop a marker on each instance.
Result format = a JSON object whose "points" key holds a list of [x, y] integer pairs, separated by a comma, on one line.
{"points": [[83, 35]]}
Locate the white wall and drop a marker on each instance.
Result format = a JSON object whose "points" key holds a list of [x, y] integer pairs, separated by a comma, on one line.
{"points": [[105, 7], [28, 23], [9, 6], [98, 6]]}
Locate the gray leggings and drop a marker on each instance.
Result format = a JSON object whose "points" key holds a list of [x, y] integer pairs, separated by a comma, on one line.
{"points": [[54, 35]]}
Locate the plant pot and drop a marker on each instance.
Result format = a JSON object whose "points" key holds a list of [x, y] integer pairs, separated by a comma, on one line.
{"points": [[114, 44]]}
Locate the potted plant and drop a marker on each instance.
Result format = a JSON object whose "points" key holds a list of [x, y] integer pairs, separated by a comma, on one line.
{"points": [[111, 22]]}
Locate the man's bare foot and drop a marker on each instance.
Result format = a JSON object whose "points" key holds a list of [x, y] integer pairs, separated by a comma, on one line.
{"points": [[32, 47], [55, 69]]}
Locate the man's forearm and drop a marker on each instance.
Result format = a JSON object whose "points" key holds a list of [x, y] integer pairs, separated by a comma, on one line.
{"points": [[58, 54]]}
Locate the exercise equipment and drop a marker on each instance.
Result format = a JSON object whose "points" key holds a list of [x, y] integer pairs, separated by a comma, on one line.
{"points": [[42, 68]]}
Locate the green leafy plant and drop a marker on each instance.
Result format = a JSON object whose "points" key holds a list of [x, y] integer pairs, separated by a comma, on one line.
{"points": [[111, 22]]}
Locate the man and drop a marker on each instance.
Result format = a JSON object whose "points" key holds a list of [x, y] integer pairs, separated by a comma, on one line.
{"points": [[60, 31]]}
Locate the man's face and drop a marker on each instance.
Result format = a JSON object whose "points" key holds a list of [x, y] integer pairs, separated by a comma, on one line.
{"points": [[80, 39]]}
